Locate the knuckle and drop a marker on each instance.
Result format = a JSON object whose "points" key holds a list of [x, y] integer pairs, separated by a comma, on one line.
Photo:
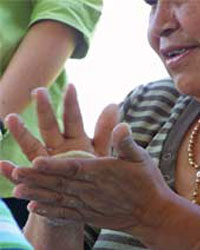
{"points": [[63, 213], [88, 177], [74, 203], [57, 221], [48, 126], [60, 184], [22, 133], [31, 149], [59, 198], [70, 213], [85, 175]]}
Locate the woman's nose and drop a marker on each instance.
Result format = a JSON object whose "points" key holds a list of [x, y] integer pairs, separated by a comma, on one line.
{"points": [[163, 19]]}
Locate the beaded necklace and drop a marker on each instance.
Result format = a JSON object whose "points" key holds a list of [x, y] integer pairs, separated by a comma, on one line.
{"points": [[191, 159]]}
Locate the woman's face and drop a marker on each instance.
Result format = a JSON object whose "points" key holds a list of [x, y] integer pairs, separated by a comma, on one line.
{"points": [[174, 33]]}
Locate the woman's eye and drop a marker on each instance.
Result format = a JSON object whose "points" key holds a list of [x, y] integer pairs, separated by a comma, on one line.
{"points": [[151, 2]]}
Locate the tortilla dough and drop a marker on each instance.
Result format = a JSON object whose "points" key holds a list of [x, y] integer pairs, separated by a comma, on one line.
{"points": [[75, 154]]}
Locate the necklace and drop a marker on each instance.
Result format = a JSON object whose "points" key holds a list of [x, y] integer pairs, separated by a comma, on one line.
{"points": [[192, 162]]}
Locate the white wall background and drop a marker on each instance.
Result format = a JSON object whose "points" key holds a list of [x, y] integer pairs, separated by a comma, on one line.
{"points": [[119, 59]]}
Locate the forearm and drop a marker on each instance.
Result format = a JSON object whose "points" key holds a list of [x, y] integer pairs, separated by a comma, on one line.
{"points": [[176, 227], [182, 229], [37, 62], [46, 236]]}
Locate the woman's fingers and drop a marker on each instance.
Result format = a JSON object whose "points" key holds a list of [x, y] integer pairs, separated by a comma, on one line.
{"points": [[84, 214], [6, 169], [53, 212], [72, 212], [72, 118], [83, 201], [48, 124], [29, 144], [103, 129], [54, 199], [55, 183], [90, 188], [66, 167], [23, 191]]}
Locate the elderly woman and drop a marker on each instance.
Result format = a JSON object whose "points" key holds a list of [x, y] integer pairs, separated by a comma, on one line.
{"points": [[149, 191]]}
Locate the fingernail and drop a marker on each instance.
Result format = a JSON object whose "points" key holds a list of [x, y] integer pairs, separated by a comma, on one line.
{"points": [[4, 167], [43, 89], [11, 116], [18, 176], [127, 139], [34, 92], [33, 207], [17, 193]]}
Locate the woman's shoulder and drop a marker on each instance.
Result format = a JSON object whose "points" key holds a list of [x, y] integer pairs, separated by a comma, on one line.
{"points": [[160, 87], [147, 108], [156, 93]]}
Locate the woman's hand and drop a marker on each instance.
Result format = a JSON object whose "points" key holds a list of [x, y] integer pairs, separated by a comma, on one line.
{"points": [[127, 193], [72, 138], [116, 193]]}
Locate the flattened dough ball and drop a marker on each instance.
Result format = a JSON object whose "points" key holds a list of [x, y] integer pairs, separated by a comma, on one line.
{"points": [[75, 154]]}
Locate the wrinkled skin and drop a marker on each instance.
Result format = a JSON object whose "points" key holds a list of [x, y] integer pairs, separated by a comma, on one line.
{"points": [[105, 191], [126, 192], [174, 24], [116, 193], [56, 143]]}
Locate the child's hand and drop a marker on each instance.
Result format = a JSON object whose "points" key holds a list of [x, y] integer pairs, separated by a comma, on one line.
{"points": [[72, 138]]}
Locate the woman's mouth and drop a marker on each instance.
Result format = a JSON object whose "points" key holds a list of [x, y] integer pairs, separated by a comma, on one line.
{"points": [[175, 56]]}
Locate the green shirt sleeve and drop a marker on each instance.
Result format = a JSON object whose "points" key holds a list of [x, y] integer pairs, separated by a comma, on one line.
{"points": [[82, 15]]}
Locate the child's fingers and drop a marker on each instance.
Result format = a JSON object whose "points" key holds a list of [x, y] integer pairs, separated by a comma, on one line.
{"points": [[30, 145], [48, 125], [72, 118]]}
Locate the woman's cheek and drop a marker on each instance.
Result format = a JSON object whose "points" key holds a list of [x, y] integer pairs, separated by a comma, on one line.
{"points": [[153, 41]]}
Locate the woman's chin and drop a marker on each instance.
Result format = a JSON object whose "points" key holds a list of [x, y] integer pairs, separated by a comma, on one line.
{"points": [[188, 86]]}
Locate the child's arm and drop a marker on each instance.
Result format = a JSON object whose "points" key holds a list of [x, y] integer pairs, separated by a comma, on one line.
{"points": [[37, 62]]}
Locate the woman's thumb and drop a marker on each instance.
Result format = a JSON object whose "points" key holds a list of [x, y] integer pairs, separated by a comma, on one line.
{"points": [[124, 144]]}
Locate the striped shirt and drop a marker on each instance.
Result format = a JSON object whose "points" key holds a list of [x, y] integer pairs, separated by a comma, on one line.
{"points": [[11, 238], [157, 115]]}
